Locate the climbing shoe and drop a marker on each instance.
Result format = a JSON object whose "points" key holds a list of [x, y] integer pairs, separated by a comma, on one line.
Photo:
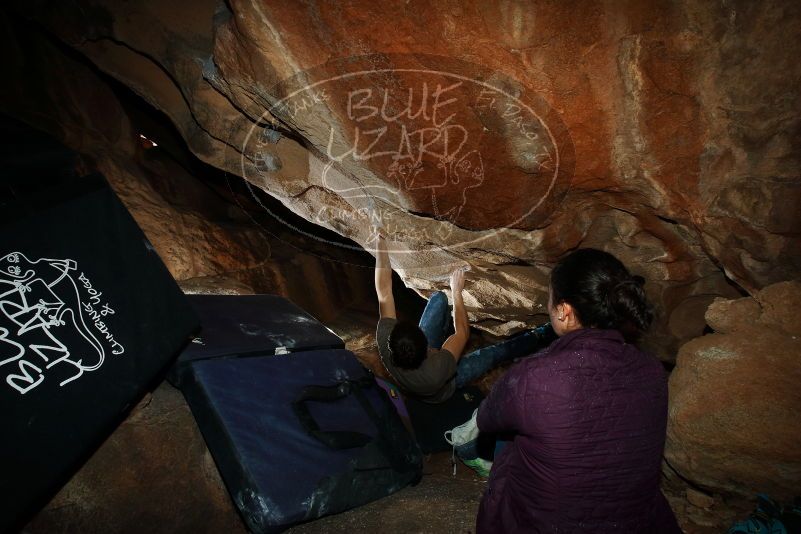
{"points": [[480, 466]]}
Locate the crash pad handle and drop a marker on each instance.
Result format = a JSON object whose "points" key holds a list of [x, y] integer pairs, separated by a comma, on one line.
{"points": [[335, 439]]}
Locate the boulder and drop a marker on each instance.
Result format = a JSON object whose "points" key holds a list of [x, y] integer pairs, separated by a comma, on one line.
{"points": [[735, 397]]}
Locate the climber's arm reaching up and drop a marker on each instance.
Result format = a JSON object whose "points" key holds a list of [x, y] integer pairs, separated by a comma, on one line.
{"points": [[383, 280], [456, 343]]}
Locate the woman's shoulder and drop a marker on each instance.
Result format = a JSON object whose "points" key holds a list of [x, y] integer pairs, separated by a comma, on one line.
{"points": [[605, 351], [585, 347]]}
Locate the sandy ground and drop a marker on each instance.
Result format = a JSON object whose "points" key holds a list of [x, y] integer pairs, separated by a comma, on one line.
{"points": [[441, 503]]}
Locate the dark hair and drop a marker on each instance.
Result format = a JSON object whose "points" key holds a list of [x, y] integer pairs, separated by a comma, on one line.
{"points": [[601, 290], [408, 345]]}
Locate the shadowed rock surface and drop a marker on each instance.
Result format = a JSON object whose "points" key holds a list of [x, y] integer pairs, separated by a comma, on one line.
{"points": [[209, 234]]}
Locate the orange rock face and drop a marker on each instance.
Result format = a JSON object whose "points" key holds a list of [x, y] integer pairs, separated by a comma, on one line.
{"points": [[500, 134]]}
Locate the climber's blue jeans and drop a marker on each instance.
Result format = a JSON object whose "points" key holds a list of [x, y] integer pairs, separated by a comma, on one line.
{"points": [[435, 322]]}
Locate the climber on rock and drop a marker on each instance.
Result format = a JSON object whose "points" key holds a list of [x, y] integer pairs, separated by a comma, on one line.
{"points": [[419, 359]]}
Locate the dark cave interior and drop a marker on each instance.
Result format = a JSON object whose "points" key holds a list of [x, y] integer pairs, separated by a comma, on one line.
{"points": [[672, 138]]}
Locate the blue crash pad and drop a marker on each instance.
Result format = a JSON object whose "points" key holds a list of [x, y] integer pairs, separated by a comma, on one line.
{"points": [[277, 473]]}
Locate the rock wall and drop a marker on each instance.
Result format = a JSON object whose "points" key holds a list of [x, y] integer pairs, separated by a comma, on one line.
{"points": [[666, 133]]}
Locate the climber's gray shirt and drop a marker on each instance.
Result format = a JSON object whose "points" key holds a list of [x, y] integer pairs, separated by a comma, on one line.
{"points": [[432, 382]]}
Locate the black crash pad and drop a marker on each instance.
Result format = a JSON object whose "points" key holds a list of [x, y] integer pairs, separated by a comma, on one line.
{"points": [[89, 319], [251, 325], [277, 472]]}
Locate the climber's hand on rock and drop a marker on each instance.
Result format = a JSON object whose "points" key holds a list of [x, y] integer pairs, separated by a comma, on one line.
{"points": [[373, 237], [457, 281], [381, 253]]}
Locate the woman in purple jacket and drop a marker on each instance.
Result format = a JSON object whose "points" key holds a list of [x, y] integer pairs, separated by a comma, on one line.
{"points": [[586, 417]]}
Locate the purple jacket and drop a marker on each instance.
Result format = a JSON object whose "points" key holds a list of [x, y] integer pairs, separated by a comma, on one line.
{"points": [[588, 417]]}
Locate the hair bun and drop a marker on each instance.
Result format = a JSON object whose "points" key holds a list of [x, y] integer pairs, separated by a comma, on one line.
{"points": [[603, 293], [627, 299], [622, 284]]}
